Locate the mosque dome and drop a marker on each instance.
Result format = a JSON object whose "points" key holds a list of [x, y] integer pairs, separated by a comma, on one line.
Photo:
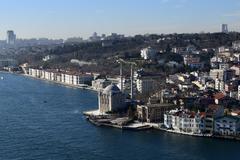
{"points": [[111, 89]]}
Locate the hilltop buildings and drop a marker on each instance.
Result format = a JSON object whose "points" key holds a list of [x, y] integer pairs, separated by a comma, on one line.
{"points": [[148, 53], [224, 28], [11, 38], [113, 36], [193, 61]]}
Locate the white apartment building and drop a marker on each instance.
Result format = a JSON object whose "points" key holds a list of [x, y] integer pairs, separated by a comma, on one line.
{"points": [[32, 72], [216, 74], [68, 79], [35, 73], [236, 68], [43, 75], [59, 77], [216, 59], [148, 53], [48, 75], [224, 66], [76, 79], [239, 92], [219, 85], [184, 121], [236, 45], [63, 78]]}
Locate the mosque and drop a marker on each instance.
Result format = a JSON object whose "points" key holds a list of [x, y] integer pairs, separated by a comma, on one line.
{"points": [[111, 99]]}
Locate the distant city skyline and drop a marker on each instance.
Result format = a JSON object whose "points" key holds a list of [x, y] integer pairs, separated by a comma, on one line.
{"points": [[72, 18]]}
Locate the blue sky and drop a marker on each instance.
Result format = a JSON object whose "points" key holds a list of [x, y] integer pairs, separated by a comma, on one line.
{"points": [[73, 18]]}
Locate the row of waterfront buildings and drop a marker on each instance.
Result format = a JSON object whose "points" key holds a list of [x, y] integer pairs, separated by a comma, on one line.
{"points": [[144, 83], [69, 78], [213, 121]]}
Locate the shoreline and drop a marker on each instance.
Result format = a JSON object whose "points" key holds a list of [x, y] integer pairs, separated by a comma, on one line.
{"points": [[62, 84], [55, 82], [147, 126], [157, 127]]}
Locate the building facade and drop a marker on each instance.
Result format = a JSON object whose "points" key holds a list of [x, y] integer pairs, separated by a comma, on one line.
{"points": [[224, 28], [212, 112], [227, 125], [184, 121], [192, 61], [145, 85], [148, 53], [153, 112], [11, 38]]}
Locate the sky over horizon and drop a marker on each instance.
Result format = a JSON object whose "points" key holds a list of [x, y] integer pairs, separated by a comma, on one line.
{"points": [[80, 18]]}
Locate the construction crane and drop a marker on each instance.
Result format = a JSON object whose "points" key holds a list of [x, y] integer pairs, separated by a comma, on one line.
{"points": [[121, 61]]}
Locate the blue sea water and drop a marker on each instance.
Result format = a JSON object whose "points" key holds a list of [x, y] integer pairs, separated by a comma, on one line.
{"points": [[43, 121]]}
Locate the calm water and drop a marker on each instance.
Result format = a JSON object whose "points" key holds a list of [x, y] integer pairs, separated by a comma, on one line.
{"points": [[43, 121]]}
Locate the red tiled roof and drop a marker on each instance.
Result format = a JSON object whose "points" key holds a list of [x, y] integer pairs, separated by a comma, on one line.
{"points": [[192, 114], [219, 95], [213, 107], [202, 114]]}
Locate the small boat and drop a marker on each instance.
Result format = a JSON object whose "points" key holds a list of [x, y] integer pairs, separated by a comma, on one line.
{"points": [[2, 78]]}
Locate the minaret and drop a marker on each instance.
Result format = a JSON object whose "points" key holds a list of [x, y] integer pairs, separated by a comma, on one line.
{"points": [[132, 82], [121, 77]]}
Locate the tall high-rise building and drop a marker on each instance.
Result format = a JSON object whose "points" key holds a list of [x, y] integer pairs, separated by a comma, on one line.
{"points": [[224, 28], [11, 37]]}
